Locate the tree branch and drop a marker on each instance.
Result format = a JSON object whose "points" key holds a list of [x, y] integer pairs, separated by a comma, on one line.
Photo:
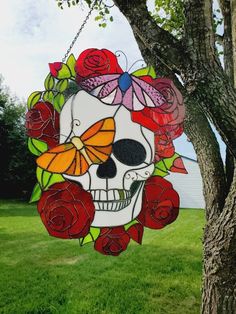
{"points": [[199, 34], [229, 70], [206, 80], [227, 41], [233, 19], [160, 43]]}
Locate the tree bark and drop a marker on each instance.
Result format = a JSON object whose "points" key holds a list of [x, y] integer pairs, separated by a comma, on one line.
{"points": [[233, 15], [219, 272], [229, 70], [227, 39], [219, 288], [206, 79], [165, 47]]}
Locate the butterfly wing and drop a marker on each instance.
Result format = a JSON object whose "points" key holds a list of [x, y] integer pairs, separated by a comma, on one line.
{"points": [[98, 140], [105, 87], [67, 159], [145, 95], [57, 159], [64, 158]]}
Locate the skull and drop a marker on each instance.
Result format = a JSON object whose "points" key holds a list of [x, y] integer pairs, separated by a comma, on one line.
{"points": [[117, 184]]}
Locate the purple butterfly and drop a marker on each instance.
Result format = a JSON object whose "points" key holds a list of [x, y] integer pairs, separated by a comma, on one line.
{"points": [[125, 89]]}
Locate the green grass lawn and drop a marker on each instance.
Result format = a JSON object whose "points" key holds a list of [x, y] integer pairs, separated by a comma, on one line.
{"points": [[41, 274]]}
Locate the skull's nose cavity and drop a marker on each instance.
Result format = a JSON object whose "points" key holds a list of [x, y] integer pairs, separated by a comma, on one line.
{"points": [[107, 170]]}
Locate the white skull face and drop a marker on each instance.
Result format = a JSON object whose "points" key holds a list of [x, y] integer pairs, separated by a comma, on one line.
{"points": [[117, 184]]}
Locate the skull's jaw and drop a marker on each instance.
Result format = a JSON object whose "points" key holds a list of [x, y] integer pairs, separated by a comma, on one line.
{"points": [[111, 200], [118, 212]]}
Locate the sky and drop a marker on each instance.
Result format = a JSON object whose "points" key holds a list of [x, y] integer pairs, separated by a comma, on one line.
{"points": [[35, 33]]}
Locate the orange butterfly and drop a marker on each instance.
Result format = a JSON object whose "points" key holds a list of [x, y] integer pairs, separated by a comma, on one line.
{"points": [[74, 158]]}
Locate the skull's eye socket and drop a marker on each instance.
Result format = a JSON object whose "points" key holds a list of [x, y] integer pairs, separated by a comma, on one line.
{"points": [[129, 152]]}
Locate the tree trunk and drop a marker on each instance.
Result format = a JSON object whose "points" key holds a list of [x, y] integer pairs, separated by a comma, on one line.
{"points": [[219, 288], [233, 15]]}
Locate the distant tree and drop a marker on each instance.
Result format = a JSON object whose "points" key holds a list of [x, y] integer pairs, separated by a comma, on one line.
{"points": [[16, 164]]}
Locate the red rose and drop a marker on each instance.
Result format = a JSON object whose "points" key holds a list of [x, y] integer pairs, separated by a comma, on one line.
{"points": [[94, 62], [112, 241], [164, 147], [173, 112], [136, 232], [67, 210], [55, 68], [42, 122], [160, 205], [165, 121]]}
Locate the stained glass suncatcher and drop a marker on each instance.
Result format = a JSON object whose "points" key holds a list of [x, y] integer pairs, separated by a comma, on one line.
{"points": [[103, 138]]}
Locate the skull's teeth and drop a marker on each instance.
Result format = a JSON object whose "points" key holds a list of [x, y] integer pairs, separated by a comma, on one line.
{"points": [[110, 195], [111, 200], [111, 206]]}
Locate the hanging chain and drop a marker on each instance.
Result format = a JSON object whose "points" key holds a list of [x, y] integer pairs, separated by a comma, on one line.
{"points": [[79, 31]]}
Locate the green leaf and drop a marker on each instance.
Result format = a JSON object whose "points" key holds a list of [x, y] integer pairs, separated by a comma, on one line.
{"points": [[97, 18], [46, 179], [33, 99], [55, 178], [64, 72], [169, 161], [62, 85], [71, 64], [49, 82], [160, 169], [91, 236], [145, 71], [37, 147], [131, 223], [48, 96], [163, 166], [103, 25], [58, 102], [36, 194]]}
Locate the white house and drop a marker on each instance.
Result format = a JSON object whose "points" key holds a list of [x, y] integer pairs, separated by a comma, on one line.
{"points": [[189, 186]]}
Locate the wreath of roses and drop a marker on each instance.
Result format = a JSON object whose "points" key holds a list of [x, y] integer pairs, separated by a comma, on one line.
{"points": [[66, 209]]}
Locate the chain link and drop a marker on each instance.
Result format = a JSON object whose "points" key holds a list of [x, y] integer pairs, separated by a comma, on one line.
{"points": [[79, 31]]}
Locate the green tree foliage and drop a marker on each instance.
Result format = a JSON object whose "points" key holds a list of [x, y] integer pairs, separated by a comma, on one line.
{"points": [[167, 13], [103, 9], [170, 16], [17, 165]]}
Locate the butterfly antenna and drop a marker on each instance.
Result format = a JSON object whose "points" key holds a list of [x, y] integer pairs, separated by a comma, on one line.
{"points": [[117, 111], [73, 124], [71, 132], [140, 60], [118, 53], [68, 137]]}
